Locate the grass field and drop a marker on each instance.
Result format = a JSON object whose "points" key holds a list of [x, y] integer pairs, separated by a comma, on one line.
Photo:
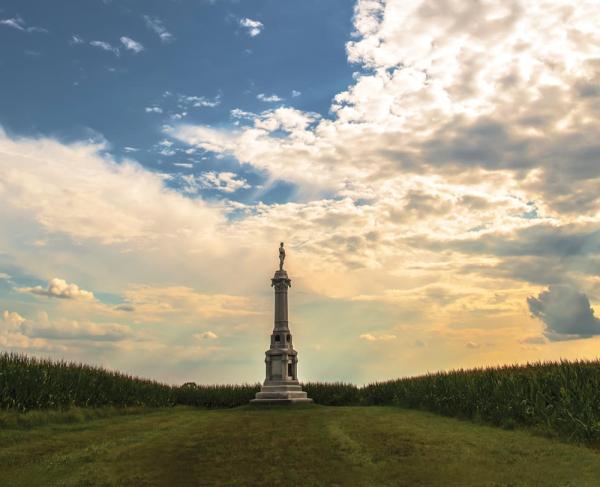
{"points": [[349, 446]]}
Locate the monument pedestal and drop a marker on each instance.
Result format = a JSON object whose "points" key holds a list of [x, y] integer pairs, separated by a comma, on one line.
{"points": [[284, 393], [281, 384]]}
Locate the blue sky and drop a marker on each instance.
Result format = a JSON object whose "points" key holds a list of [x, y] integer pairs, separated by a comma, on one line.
{"points": [[432, 166], [56, 83]]}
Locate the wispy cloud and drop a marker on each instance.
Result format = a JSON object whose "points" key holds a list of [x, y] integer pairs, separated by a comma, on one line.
{"points": [[187, 101], [207, 335], [61, 329], [253, 27], [227, 182], [19, 24], [132, 45], [75, 39], [178, 105], [369, 337], [269, 98], [157, 26], [105, 46]]}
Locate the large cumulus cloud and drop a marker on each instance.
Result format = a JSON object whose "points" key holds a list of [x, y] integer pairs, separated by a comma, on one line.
{"points": [[61, 289], [565, 312]]}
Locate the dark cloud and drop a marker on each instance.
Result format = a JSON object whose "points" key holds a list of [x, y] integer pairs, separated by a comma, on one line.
{"points": [[475, 202], [566, 313], [125, 307], [541, 254], [538, 240], [421, 204], [534, 340], [486, 143]]}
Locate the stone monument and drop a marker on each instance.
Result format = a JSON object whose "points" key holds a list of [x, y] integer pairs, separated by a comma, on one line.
{"points": [[281, 385]]}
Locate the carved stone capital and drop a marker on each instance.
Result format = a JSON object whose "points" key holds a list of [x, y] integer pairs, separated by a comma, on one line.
{"points": [[281, 281], [281, 284]]}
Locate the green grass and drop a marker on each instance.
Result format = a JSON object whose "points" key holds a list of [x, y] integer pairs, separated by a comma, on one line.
{"points": [[35, 418], [328, 446]]}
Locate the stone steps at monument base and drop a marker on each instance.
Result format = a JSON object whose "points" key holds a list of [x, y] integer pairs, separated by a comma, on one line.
{"points": [[277, 402], [281, 395]]}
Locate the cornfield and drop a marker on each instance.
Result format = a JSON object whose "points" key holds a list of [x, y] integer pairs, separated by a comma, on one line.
{"points": [[219, 396], [333, 393], [28, 383], [561, 397]]}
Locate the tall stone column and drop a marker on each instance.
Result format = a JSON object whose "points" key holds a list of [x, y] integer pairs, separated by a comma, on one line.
{"points": [[280, 282], [281, 384]]}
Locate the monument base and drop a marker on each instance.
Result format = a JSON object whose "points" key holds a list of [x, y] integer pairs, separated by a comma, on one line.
{"points": [[280, 402], [281, 393]]}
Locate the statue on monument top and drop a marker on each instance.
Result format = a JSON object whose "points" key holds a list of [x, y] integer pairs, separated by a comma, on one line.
{"points": [[281, 256]]}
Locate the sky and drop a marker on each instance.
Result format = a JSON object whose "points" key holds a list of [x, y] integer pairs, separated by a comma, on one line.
{"points": [[433, 167]]}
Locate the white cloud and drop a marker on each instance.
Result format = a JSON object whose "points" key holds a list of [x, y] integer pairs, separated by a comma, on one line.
{"points": [[188, 101], [12, 320], [12, 338], [59, 288], [207, 335], [105, 46], [253, 27], [73, 190], [227, 182], [157, 26], [132, 45], [75, 39], [19, 24], [238, 113], [296, 93], [377, 338], [268, 98], [15, 23], [46, 335], [153, 109]]}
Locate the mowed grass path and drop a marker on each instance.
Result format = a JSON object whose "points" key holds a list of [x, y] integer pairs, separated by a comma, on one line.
{"points": [[315, 446]]}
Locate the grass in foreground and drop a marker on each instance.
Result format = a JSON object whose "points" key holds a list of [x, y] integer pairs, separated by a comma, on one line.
{"points": [[328, 446]]}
